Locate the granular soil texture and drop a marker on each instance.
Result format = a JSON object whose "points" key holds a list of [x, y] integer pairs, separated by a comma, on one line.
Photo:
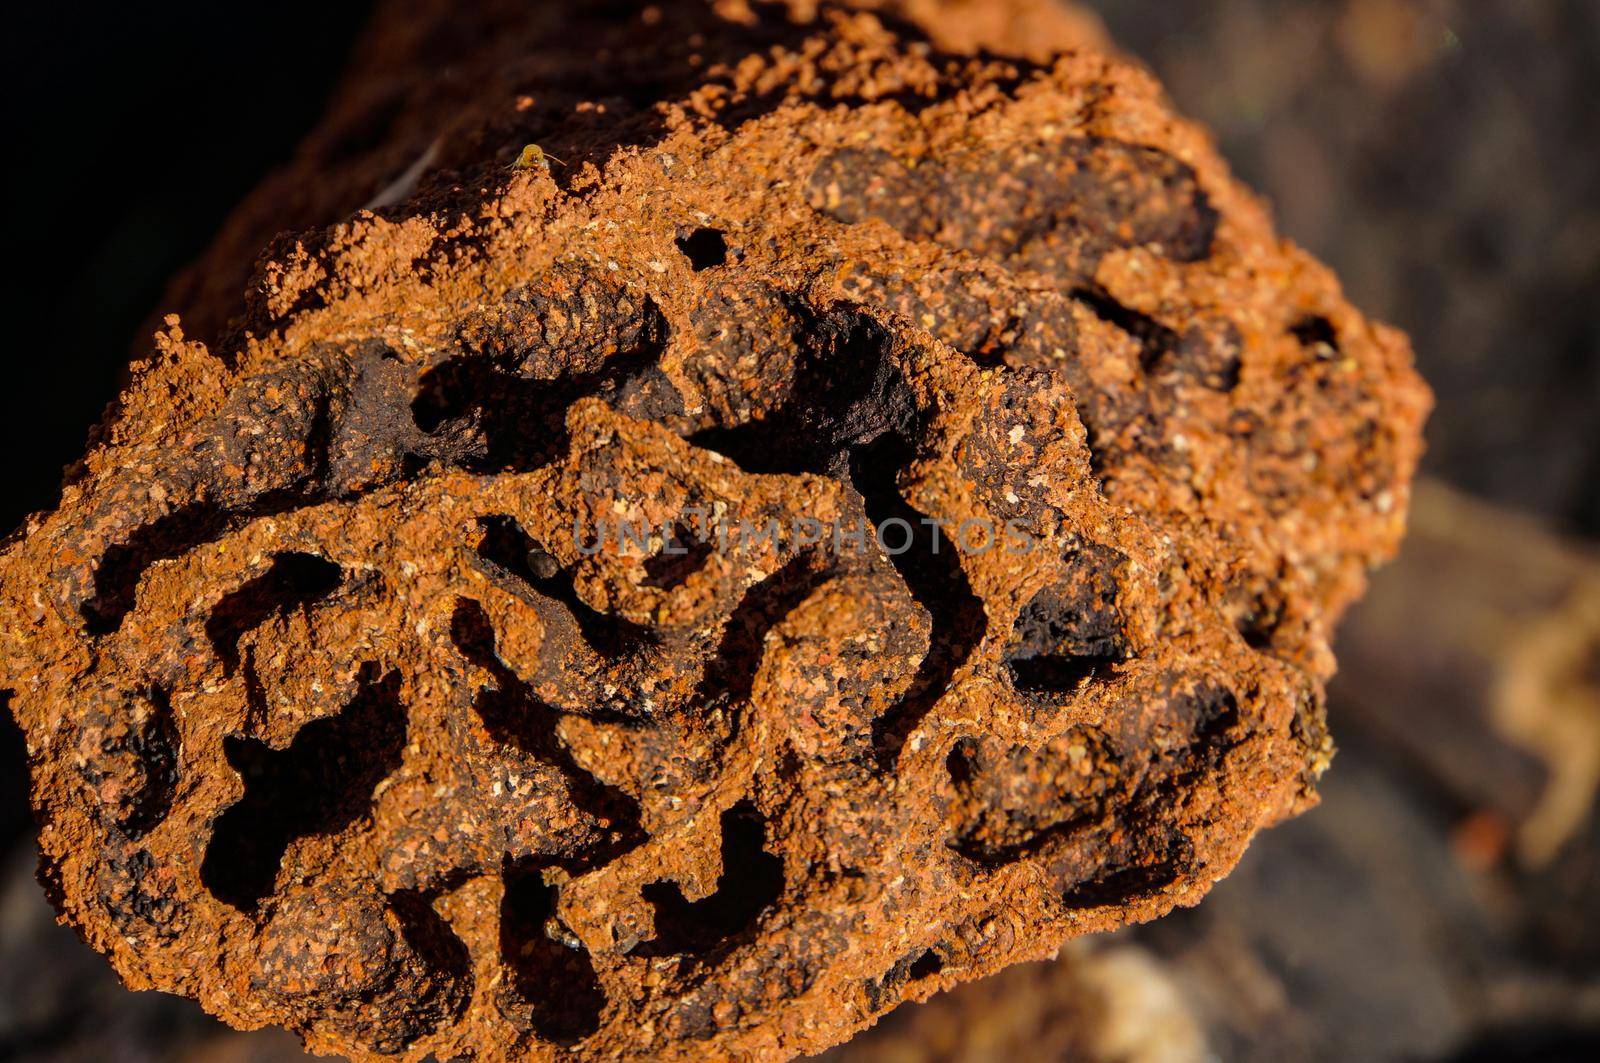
{"points": [[841, 517]]}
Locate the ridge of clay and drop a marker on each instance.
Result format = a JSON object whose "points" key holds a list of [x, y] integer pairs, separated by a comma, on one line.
{"points": [[840, 518]]}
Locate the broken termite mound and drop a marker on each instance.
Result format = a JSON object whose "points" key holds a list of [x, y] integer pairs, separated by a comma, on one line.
{"points": [[991, 475]]}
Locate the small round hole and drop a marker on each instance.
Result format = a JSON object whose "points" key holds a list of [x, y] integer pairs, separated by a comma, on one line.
{"points": [[704, 248]]}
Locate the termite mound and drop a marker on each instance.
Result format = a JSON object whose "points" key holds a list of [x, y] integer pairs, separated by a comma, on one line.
{"points": [[342, 715]]}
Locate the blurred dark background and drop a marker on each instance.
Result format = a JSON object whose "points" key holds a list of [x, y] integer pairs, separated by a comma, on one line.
{"points": [[136, 129], [1442, 155]]}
